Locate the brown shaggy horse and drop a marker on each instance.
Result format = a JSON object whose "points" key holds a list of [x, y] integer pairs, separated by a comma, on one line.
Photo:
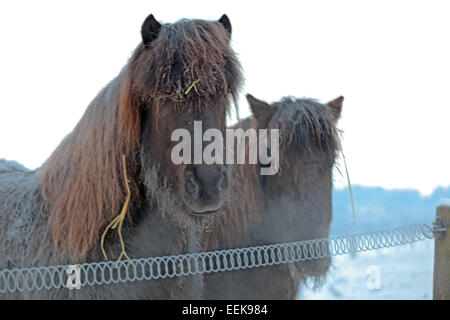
{"points": [[57, 213], [294, 205]]}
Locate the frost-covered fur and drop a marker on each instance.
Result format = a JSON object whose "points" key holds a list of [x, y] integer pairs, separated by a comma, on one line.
{"points": [[24, 233], [8, 165]]}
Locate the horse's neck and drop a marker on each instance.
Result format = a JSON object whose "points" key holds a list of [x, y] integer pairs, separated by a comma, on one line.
{"points": [[277, 221], [162, 234], [148, 234]]}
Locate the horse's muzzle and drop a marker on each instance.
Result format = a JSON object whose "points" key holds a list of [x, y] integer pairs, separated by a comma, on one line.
{"points": [[205, 188]]}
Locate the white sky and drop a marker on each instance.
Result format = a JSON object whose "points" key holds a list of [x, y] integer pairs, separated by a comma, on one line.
{"points": [[390, 59]]}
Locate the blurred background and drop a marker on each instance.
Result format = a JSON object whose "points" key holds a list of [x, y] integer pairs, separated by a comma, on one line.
{"points": [[390, 60]]}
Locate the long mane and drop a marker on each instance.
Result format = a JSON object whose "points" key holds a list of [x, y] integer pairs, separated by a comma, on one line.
{"points": [[82, 181]]}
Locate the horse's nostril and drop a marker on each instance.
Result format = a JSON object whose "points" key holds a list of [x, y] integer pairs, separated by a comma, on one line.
{"points": [[191, 186], [223, 181]]}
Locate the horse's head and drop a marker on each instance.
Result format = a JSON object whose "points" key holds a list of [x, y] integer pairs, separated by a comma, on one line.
{"points": [[179, 73], [181, 82], [299, 197]]}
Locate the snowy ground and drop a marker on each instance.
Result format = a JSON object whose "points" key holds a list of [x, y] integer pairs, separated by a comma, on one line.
{"points": [[405, 273]]}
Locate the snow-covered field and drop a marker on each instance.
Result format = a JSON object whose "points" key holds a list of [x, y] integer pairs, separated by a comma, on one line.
{"points": [[405, 273]]}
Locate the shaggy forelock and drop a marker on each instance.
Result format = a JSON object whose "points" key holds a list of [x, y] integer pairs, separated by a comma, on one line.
{"points": [[305, 125], [185, 52]]}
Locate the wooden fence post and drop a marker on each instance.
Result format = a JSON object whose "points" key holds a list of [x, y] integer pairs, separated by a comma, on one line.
{"points": [[441, 277]]}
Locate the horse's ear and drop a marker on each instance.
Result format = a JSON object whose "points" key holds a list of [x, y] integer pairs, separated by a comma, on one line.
{"points": [[150, 29], [262, 111], [336, 106], [225, 21]]}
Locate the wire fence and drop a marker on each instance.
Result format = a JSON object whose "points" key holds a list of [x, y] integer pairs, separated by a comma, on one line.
{"points": [[103, 273]]}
